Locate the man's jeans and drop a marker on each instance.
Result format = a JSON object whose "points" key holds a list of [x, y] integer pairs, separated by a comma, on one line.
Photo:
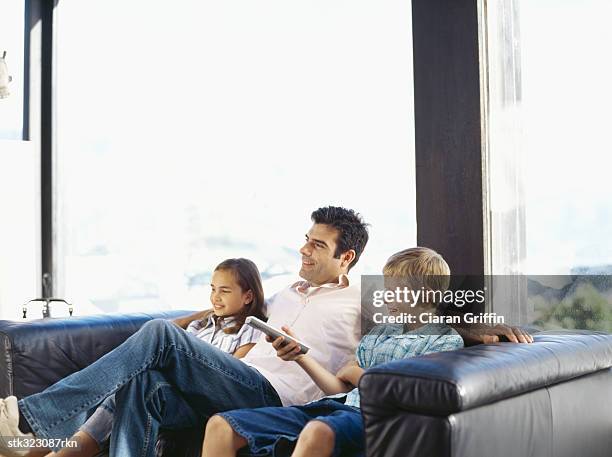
{"points": [[162, 376]]}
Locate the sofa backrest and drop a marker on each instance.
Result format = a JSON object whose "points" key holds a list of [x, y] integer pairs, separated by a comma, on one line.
{"points": [[36, 354], [450, 382]]}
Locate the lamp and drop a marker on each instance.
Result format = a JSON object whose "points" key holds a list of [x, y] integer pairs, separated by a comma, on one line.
{"points": [[5, 79]]}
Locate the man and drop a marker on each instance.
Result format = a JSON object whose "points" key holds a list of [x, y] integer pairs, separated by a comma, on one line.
{"points": [[164, 377]]}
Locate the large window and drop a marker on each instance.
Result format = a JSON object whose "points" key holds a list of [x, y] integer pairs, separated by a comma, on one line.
{"points": [[12, 43], [549, 180], [195, 131], [20, 227], [19, 176], [566, 104]]}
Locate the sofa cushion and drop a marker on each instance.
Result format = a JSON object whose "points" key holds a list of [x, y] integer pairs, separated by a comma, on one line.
{"points": [[450, 382]]}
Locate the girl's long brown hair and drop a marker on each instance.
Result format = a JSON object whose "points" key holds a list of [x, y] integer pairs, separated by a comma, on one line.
{"points": [[248, 278]]}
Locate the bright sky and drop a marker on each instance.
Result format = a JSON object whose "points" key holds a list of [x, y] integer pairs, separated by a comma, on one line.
{"points": [[566, 119], [230, 119], [11, 41]]}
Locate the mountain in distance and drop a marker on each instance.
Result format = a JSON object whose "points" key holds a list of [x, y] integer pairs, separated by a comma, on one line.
{"points": [[599, 276]]}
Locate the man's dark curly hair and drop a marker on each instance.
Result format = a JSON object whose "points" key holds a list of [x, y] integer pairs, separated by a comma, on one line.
{"points": [[352, 230]]}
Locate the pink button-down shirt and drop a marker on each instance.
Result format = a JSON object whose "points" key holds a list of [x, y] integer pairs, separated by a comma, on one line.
{"points": [[326, 318]]}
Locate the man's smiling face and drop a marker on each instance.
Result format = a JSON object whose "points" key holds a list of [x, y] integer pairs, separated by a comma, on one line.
{"points": [[318, 263]]}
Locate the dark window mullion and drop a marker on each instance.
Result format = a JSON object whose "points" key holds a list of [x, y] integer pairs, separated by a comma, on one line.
{"points": [[448, 146], [46, 149]]}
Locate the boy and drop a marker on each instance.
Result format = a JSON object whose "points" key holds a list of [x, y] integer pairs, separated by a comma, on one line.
{"points": [[333, 426]]}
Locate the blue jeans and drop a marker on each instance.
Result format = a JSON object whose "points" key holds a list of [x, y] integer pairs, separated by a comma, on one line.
{"points": [[100, 423], [162, 377], [273, 431]]}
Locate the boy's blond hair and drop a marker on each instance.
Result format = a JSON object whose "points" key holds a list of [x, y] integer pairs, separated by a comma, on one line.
{"points": [[421, 267]]}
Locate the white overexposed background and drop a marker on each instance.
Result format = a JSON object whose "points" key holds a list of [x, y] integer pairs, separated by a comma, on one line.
{"points": [[12, 41], [19, 227], [567, 95], [191, 131]]}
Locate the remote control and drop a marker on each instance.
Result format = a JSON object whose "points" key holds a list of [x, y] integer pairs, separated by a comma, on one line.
{"points": [[273, 333]]}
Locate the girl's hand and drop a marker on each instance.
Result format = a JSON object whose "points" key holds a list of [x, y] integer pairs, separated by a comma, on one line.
{"points": [[288, 351]]}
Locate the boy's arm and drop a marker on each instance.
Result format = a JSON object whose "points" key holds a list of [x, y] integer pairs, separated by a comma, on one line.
{"points": [[290, 351], [326, 381], [351, 373]]}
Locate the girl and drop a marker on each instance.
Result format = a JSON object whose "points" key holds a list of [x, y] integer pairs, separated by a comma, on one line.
{"points": [[236, 293]]}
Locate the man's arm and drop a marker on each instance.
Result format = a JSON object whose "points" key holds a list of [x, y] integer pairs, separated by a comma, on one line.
{"points": [[183, 322], [485, 334]]}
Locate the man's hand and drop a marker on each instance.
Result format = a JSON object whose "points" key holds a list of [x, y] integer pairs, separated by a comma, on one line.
{"points": [[477, 334], [288, 351], [513, 334]]}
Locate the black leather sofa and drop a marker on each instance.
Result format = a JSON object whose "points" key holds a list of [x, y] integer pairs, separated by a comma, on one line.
{"points": [[36, 354], [552, 398]]}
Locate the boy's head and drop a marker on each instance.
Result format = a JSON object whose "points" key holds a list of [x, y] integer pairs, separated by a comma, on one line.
{"points": [[333, 244], [417, 268]]}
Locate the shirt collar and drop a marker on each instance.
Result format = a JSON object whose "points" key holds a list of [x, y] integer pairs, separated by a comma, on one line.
{"points": [[304, 287], [222, 322]]}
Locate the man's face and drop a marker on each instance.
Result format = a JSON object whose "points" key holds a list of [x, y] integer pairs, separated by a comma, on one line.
{"points": [[318, 263]]}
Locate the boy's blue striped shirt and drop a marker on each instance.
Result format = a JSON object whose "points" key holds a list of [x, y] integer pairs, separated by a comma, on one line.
{"points": [[385, 343]]}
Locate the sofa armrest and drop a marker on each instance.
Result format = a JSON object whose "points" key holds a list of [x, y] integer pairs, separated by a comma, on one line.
{"points": [[449, 382], [36, 354]]}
